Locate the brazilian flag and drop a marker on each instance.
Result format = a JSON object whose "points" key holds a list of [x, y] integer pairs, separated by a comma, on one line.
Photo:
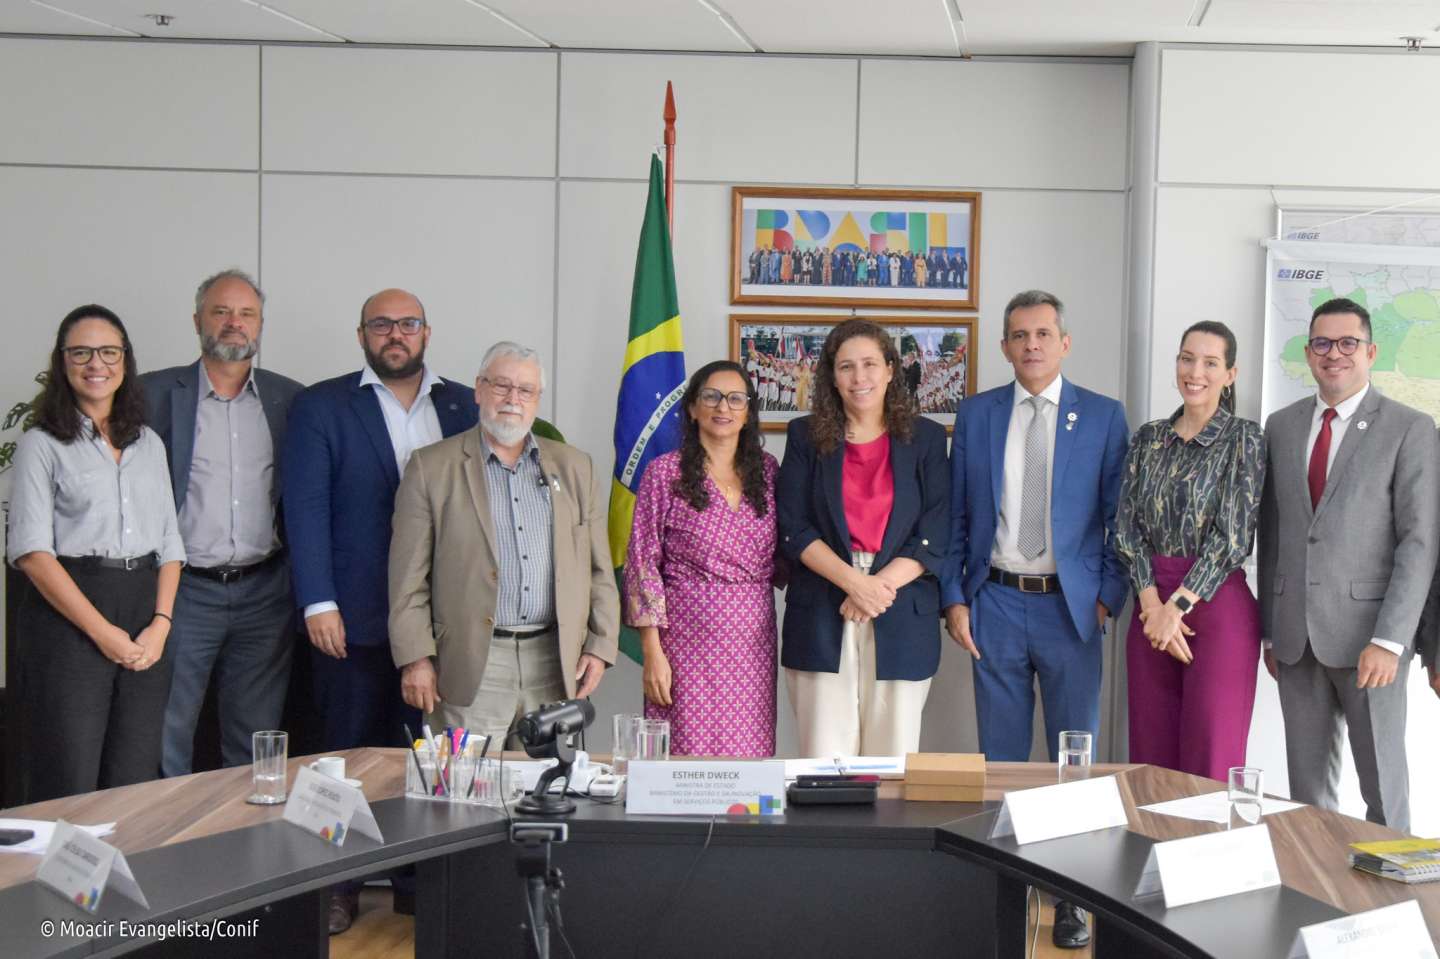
{"points": [[647, 411]]}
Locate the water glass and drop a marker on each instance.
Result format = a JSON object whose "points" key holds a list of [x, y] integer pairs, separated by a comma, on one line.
{"points": [[625, 727], [652, 740], [1246, 795], [1074, 762], [270, 749]]}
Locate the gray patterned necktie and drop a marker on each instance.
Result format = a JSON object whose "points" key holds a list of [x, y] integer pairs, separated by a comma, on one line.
{"points": [[1033, 492]]}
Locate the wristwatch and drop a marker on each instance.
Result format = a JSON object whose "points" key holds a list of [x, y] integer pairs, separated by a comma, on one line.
{"points": [[1182, 603]]}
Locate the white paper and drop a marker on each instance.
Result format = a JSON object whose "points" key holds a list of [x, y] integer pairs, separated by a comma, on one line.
{"points": [[1214, 807], [1216, 864], [706, 788], [80, 867], [530, 771], [329, 808], [1397, 930], [889, 767], [1067, 809], [43, 829]]}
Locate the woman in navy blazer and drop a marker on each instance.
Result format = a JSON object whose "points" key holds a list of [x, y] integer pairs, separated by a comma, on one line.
{"points": [[862, 502]]}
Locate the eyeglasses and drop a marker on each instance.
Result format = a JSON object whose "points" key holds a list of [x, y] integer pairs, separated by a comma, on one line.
{"points": [[1320, 345], [503, 388], [80, 355], [736, 401], [382, 325]]}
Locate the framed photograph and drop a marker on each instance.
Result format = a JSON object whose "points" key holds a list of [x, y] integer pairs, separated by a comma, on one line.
{"points": [[780, 351], [865, 248]]}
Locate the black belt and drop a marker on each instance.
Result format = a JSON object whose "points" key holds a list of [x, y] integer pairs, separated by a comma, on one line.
{"points": [[231, 574], [504, 633], [148, 561], [1026, 582]]}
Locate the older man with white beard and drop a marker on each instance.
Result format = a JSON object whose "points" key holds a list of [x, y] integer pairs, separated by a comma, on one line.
{"points": [[223, 424], [502, 595]]}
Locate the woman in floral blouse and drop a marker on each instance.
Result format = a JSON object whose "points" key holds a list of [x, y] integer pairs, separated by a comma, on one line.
{"points": [[1185, 525]]}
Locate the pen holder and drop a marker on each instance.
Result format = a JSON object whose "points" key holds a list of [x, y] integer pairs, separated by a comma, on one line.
{"points": [[462, 779]]}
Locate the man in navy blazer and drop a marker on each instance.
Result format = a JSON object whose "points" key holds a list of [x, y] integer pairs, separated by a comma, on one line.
{"points": [[223, 424], [348, 442]]}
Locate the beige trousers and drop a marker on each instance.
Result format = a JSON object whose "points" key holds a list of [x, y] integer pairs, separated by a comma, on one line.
{"points": [[521, 675], [850, 712]]}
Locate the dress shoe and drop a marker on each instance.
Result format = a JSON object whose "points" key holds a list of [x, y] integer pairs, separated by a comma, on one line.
{"points": [[404, 903], [1070, 931], [343, 908]]}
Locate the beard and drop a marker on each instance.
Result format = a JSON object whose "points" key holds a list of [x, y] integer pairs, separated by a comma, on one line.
{"points": [[506, 432], [384, 368], [218, 349]]}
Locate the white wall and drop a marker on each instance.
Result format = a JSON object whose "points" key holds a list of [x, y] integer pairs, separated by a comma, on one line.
{"points": [[1240, 133], [506, 189]]}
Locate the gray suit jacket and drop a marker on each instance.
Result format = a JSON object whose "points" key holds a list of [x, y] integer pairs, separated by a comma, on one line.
{"points": [[1359, 565], [170, 399]]}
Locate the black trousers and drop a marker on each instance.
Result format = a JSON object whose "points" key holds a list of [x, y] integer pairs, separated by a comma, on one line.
{"points": [[88, 723]]}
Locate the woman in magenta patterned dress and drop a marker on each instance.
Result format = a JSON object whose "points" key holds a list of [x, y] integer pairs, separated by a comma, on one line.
{"points": [[699, 574]]}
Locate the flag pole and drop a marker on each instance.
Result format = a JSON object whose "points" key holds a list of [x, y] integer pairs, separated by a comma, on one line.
{"points": [[670, 156]]}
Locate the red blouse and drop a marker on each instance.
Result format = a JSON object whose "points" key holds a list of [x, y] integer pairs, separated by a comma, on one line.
{"points": [[868, 485]]}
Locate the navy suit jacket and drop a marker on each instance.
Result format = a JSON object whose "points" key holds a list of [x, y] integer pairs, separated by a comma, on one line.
{"points": [[340, 482], [810, 505], [171, 396], [1090, 443]]}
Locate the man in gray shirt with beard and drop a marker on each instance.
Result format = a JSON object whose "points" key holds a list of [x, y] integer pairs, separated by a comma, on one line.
{"points": [[223, 424]]}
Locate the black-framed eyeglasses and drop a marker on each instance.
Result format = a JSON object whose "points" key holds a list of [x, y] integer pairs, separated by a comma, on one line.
{"points": [[80, 355], [1320, 345], [503, 388], [736, 400], [382, 325]]}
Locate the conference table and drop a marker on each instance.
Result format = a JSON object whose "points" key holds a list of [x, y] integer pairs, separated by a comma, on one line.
{"points": [[817, 881]]}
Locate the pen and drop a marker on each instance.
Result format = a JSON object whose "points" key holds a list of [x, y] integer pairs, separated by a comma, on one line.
{"points": [[414, 754]]}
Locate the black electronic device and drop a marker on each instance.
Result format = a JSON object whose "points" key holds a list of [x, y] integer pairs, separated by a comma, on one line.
{"points": [[14, 837], [546, 733], [831, 793]]}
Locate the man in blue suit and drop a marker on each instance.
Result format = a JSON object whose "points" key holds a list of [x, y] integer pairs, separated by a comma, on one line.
{"points": [[223, 424], [1031, 576], [347, 445], [348, 442]]}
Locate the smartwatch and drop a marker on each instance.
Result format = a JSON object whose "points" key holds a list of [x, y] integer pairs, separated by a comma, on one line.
{"points": [[1182, 603]]}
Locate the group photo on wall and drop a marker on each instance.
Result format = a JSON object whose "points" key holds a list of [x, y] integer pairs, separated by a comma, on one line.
{"points": [[908, 248], [779, 354]]}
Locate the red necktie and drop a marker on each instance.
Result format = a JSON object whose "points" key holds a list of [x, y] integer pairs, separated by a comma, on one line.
{"points": [[1320, 458]]}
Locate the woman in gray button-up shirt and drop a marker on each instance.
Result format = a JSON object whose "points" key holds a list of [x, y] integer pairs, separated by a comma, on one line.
{"points": [[92, 524]]}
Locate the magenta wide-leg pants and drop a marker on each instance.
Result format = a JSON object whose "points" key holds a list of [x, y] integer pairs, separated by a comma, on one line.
{"points": [[1195, 718]]}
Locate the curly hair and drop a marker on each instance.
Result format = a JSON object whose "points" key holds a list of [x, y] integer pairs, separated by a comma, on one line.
{"points": [[56, 410], [749, 460], [827, 420]]}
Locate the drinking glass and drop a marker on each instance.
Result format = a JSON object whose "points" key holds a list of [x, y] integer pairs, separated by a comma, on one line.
{"points": [[1074, 762], [270, 749], [652, 740], [625, 727], [1246, 795]]}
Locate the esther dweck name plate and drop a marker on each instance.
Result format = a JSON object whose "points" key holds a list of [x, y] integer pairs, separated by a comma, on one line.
{"points": [[706, 788]]}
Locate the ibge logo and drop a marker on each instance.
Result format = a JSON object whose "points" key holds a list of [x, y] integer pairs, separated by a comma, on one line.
{"points": [[1287, 273]]}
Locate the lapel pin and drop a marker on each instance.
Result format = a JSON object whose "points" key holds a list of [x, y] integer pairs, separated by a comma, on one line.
{"points": [[1361, 425], [1069, 426], [1071, 417]]}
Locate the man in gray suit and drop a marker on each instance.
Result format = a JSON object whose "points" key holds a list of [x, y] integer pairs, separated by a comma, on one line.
{"points": [[1347, 547], [223, 424]]}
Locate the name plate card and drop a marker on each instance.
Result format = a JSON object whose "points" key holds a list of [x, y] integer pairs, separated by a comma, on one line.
{"points": [[706, 788], [79, 867], [1397, 930], [329, 808], [1211, 866], [1067, 809]]}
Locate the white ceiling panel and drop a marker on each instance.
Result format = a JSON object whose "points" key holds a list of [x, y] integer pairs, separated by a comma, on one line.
{"points": [[1364, 17], [194, 19], [408, 21], [22, 16], [622, 24], [846, 26]]}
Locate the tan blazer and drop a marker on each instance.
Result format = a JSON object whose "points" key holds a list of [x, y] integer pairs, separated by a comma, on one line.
{"points": [[444, 573]]}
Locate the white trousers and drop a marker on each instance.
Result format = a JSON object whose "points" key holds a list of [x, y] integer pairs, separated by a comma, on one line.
{"points": [[850, 712]]}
